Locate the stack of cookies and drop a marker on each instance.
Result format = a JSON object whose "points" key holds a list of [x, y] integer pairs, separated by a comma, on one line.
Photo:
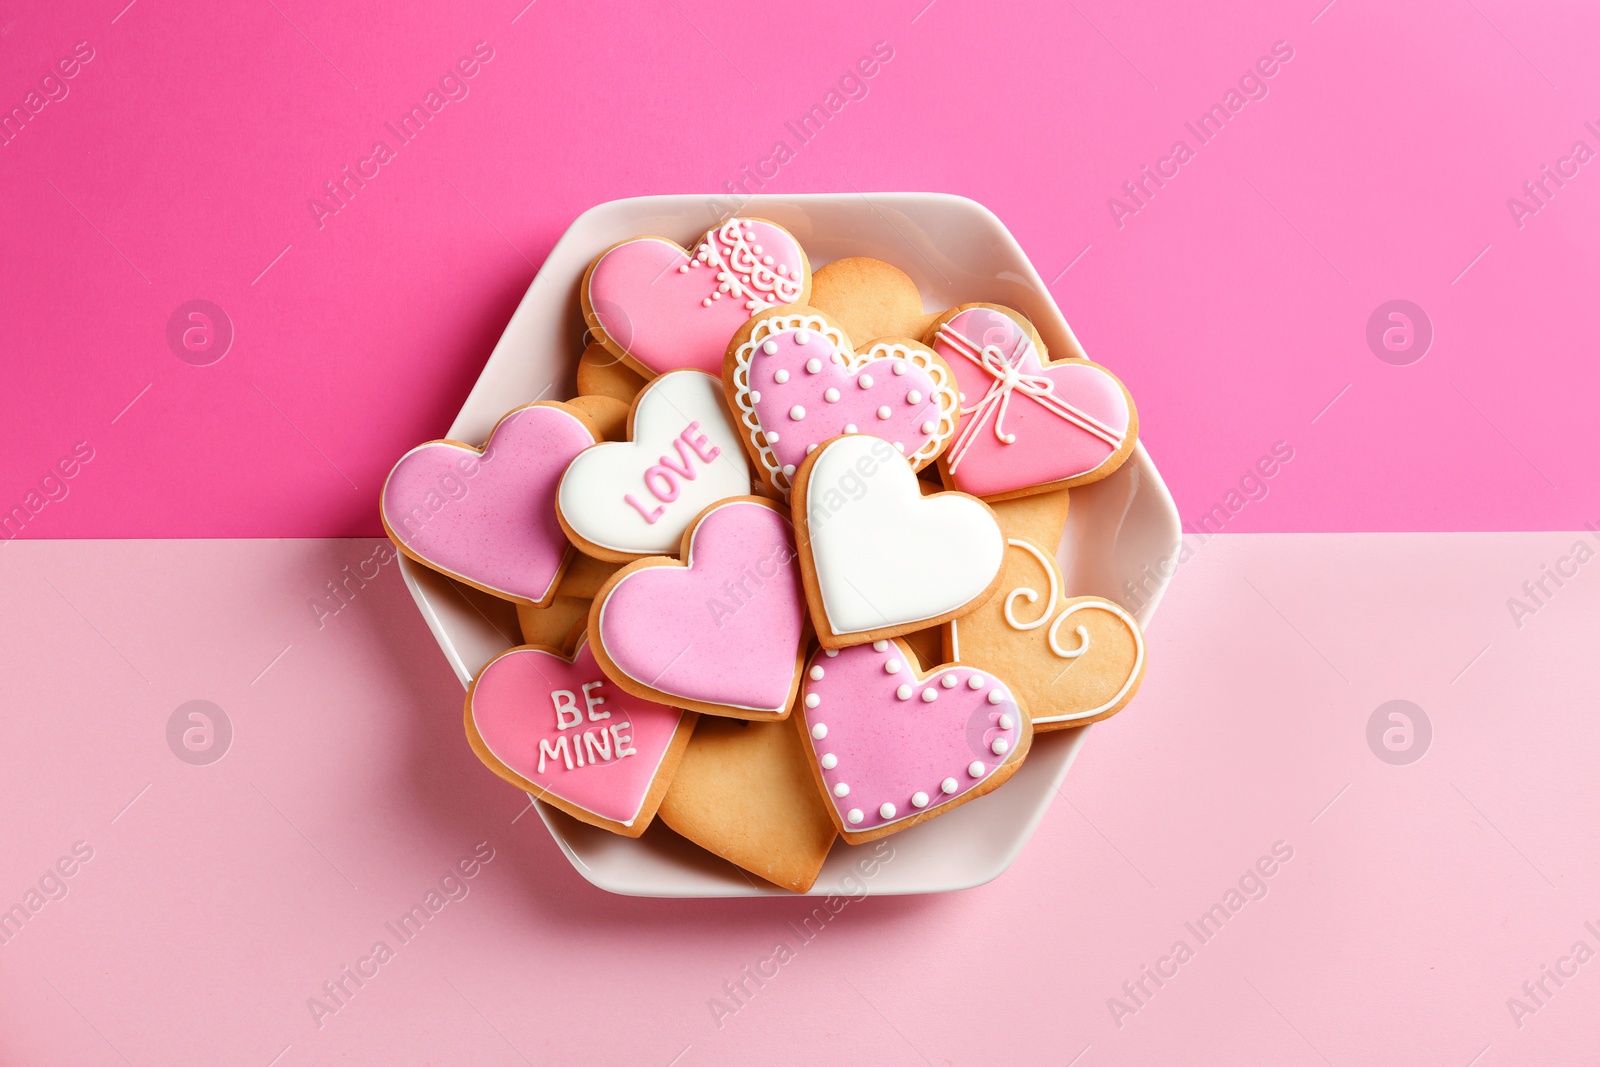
{"points": [[785, 567]]}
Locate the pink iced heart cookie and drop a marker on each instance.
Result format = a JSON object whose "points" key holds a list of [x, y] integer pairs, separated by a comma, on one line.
{"points": [[556, 727], [1027, 426], [721, 632], [794, 380], [487, 517], [661, 308], [892, 747]]}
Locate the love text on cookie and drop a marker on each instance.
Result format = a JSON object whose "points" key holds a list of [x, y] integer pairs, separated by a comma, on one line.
{"points": [[663, 479]]}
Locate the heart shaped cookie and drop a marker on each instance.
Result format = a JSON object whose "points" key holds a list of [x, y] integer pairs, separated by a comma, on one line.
{"points": [[1027, 426], [556, 727], [487, 516], [744, 792], [661, 308], [722, 632], [1074, 660], [879, 558], [892, 747], [625, 499], [794, 381]]}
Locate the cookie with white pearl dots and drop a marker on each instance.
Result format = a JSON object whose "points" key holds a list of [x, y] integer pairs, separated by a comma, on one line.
{"points": [[793, 380], [892, 746]]}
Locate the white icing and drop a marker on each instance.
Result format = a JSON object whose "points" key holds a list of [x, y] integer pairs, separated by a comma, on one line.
{"points": [[841, 790], [949, 785], [1031, 595], [740, 268], [819, 731], [830, 652], [780, 375], [816, 673], [855, 816], [886, 810], [813, 365], [893, 666], [975, 682], [919, 799], [884, 413], [1000, 746], [592, 491], [880, 645], [829, 761], [849, 427], [802, 337], [1006, 722], [904, 692], [771, 349], [812, 700], [976, 769], [864, 381], [929, 695], [996, 696], [914, 397], [949, 681], [797, 412], [890, 556], [1054, 633], [830, 394]]}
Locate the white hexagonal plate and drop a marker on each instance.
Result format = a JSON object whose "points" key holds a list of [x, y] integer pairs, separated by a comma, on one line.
{"points": [[957, 251]]}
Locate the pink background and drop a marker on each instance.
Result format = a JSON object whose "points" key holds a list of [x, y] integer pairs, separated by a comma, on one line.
{"points": [[1235, 305]]}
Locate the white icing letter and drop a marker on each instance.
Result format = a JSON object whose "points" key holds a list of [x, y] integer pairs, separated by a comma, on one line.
{"points": [[623, 733], [566, 703], [557, 749], [591, 701]]}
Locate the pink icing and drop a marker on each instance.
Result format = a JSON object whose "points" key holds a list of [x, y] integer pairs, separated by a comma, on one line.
{"points": [[724, 629], [886, 749], [529, 704], [671, 310], [781, 384], [489, 519], [1066, 419]]}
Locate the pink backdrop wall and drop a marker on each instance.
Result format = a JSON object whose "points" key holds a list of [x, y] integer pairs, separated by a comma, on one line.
{"points": [[180, 162]]}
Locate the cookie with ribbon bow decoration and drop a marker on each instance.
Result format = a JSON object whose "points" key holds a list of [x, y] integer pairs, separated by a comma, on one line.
{"points": [[1028, 424]]}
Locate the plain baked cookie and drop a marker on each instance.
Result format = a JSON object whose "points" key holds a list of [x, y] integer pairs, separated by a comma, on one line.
{"points": [[869, 299], [744, 792], [602, 374]]}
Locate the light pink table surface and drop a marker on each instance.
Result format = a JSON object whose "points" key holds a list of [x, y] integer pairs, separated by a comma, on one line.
{"points": [[219, 898]]}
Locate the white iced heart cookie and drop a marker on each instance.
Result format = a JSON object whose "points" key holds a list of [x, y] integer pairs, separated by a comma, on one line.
{"points": [[625, 499], [878, 558]]}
